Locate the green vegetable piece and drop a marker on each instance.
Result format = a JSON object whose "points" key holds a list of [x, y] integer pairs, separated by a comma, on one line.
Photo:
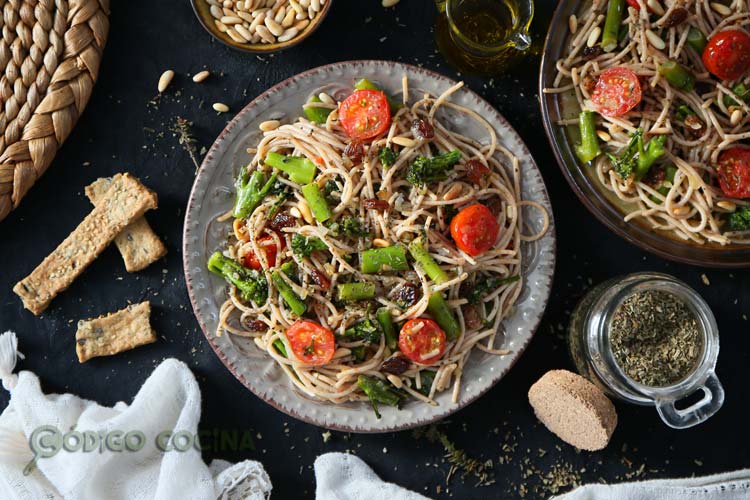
{"points": [[683, 111], [316, 114], [740, 91], [677, 75], [420, 254], [378, 392], [251, 284], [251, 189], [425, 170], [740, 219], [317, 202], [365, 84], [612, 25], [296, 304], [387, 157], [299, 169], [438, 308], [486, 285], [355, 291], [589, 147], [648, 156], [697, 40], [349, 226], [359, 353], [279, 345], [383, 315], [637, 159], [426, 377], [304, 246], [367, 330], [376, 260]]}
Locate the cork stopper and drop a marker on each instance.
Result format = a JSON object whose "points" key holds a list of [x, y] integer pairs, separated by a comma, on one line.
{"points": [[574, 409]]}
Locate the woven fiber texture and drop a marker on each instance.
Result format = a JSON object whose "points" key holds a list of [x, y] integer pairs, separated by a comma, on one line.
{"points": [[50, 51]]}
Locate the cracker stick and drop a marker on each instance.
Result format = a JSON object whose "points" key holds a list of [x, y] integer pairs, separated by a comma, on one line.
{"points": [[114, 333], [137, 243], [126, 200]]}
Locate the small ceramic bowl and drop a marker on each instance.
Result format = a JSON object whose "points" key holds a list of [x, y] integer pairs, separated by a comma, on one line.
{"points": [[202, 10]]}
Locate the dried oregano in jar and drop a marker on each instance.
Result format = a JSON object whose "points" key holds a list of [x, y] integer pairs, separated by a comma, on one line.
{"points": [[655, 338]]}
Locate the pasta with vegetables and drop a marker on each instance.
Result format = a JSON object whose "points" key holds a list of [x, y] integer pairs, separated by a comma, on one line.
{"points": [[373, 248]]}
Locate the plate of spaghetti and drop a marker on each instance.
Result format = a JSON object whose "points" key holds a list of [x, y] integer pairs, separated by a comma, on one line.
{"points": [[646, 106], [369, 246]]}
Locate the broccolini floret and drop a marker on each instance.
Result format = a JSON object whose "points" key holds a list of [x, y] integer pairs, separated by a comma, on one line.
{"points": [[303, 246], [740, 219], [251, 189], [251, 284], [425, 170], [387, 157]]}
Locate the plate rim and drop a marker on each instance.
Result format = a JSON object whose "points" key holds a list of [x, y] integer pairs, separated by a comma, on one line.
{"points": [[703, 257], [203, 170]]}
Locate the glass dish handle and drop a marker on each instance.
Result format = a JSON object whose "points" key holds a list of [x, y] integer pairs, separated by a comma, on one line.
{"points": [[713, 398]]}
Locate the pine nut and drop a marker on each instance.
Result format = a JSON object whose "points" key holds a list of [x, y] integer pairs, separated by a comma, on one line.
{"points": [[680, 211], [235, 36], [453, 193], [288, 20], [380, 243], [314, 5], [655, 41], [220, 26], [604, 135], [594, 37], [265, 34], [199, 77], [300, 25], [736, 117], [288, 34], [294, 212], [573, 24], [393, 379], [220, 107], [258, 21], [304, 210], [269, 125], [164, 80], [726, 205], [216, 12], [280, 15], [656, 7], [274, 27], [244, 32], [297, 7], [720, 8], [246, 16], [227, 12], [231, 20], [404, 141], [304, 3], [325, 98]]}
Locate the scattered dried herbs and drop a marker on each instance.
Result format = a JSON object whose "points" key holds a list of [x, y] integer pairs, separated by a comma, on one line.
{"points": [[183, 130]]}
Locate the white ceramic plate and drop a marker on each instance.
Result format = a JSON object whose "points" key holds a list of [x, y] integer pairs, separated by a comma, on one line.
{"points": [[213, 195]]}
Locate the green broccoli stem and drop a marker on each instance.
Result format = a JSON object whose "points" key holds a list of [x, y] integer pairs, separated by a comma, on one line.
{"points": [[296, 304], [741, 93], [378, 392], [250, 191], [420, 254], [612, 23], [677, 75], [383, 315], [438, 308], [365, 84], [356, 291], [589, 147], [279, 345], [316, 114], [317, 202], [647, 156], [251, 284], [299, 169], [697, 40], [426, 378], [377, 260]]}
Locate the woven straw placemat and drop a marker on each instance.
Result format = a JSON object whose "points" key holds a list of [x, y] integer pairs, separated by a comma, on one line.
{"points": [[50, 51]]}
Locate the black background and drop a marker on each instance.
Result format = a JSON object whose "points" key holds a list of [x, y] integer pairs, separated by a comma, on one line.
{"points": [[122, 130]]}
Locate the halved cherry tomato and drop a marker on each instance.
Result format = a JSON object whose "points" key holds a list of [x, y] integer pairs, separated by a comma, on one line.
{"points": [[475, 229], [422, 341], [365, 114], [733, 168], [311, 343], [268, 245], [617, 91], [727, 54]]}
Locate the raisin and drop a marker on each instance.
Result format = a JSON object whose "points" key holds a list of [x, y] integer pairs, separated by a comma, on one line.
{"points": [[655, 176], [476, 171], [396, 364], [592, 52], [281, 220], [589, 83], [375, 204], [355, 151], [253, 325], [676, 17], [471, 317], [320, 279], [422, 129], [405, 295]]}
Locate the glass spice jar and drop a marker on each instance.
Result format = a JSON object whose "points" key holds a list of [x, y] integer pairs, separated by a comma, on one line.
{"points": [[591, 349]]}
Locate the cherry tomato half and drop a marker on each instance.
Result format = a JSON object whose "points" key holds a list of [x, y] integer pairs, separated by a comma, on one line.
{"points": [[311, 343], [365, 114], [634, 4], [727, 54], [617, 91], [422, 341], [475, 229], [268, 246], [733, 168]]}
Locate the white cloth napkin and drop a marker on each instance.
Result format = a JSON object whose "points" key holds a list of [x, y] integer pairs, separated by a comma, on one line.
{"points": [[727, 486], [169, 400]]}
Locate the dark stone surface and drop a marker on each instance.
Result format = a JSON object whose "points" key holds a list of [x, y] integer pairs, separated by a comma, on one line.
{"points": [[121, 130]]}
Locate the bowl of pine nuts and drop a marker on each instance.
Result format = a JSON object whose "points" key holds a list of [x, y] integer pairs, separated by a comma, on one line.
{"points": [[261, 26]]}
